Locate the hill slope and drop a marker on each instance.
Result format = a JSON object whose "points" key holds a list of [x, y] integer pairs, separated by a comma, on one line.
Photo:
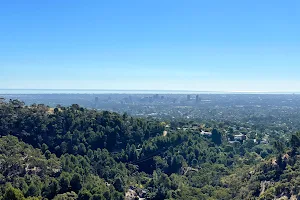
{"points": [[76, 153]]}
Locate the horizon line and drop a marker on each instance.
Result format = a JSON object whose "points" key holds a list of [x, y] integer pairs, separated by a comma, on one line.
{"points": [[155, 90]]}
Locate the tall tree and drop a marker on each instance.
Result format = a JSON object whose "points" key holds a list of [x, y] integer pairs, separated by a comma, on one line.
{"points": [[76, 182], [216, 137]]}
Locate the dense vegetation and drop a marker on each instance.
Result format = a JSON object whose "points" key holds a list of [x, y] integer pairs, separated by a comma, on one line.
{"points": [[77, 153]]}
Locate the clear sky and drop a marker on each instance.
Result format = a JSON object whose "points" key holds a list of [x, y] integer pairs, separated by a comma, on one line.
{"points": [[211, 45]]}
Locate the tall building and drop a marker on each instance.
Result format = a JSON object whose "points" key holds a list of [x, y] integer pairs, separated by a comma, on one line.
{"points": [[188, 97], [197, 98], [96, 102], [96, 99]]}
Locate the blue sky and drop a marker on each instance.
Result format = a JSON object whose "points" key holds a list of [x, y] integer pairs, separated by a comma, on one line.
{"points": [[213, 45]]}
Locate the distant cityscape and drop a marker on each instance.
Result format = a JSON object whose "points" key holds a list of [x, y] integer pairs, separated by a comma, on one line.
{"points": [[200, 107]]}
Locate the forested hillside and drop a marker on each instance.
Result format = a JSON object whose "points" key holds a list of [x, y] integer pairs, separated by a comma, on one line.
{"points": [[77, 153]]}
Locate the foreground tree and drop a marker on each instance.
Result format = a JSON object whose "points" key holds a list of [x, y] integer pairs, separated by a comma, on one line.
{"points": [[13, 194]]}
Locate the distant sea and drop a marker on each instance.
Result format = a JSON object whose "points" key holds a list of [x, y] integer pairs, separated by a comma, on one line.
{"points": [[82, 91]]}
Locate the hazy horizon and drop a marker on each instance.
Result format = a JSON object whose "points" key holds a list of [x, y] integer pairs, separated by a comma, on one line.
{"points": [[120, 91]]}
